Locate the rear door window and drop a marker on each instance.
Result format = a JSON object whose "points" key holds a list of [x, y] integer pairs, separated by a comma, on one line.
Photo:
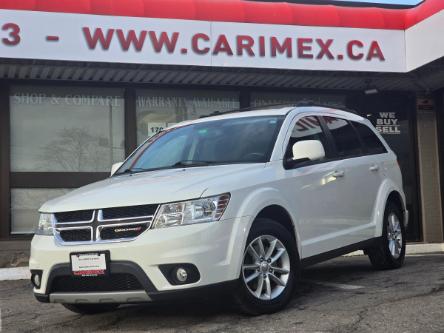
{"points": [[344, 136], [371, 141]]}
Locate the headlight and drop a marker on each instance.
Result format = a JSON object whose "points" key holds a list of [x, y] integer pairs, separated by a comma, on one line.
{"points": [[45, 225], [190, 212]]}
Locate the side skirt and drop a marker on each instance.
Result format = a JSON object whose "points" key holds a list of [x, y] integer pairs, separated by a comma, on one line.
{"points": [[305, 262]]}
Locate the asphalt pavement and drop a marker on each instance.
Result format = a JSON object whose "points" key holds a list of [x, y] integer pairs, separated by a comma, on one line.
{"points": [[341, 295]]}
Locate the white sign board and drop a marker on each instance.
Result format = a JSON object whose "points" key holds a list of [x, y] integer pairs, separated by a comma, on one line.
{"points": [[388, 124], [114, 39]]}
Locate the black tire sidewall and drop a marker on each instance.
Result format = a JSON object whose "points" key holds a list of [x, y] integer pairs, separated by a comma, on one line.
{"points": [[380, 255], [252, 305]]}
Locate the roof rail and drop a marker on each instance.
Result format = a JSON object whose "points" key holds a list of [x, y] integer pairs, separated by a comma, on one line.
{"points": [[279, 106]]}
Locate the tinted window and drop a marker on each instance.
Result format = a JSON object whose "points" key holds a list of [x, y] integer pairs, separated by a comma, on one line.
{"points": [[372, 143], [344, 136], [307, 128]]}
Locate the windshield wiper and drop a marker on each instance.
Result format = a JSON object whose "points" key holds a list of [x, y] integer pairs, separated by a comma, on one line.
{"points": [[192, 163], [180, 164], [131, 171]]}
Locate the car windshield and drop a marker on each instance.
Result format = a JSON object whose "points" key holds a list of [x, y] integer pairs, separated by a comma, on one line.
{"points": [[226, 141]]}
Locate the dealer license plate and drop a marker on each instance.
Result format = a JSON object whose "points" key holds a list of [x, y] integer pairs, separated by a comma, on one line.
{"points": [[89, 264]]}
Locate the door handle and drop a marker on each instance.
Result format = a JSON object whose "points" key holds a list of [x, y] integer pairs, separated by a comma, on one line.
{"points": [[338, 174], [374, 168]]}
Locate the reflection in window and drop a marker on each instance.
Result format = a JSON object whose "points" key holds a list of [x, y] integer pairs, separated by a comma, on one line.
{"points": [[62, 129], [25, 204], [212, 142], [344, 136], [372, 143], [307, 128], [159, 109]]}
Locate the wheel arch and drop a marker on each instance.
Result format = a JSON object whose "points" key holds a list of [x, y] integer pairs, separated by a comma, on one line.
{"points": [[396, 198], [280, 215], [389, 192], [269, 203]]}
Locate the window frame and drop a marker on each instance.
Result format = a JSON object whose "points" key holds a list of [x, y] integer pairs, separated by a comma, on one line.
{"points": [[329, 149], [51, 179], [330, 140]]}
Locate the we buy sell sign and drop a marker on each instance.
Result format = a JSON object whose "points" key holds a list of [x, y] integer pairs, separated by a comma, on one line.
{"points": [[97, 38]]}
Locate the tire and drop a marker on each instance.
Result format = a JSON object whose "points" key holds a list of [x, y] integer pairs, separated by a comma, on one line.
{"points": [[89, 309], [273, 295], [390, 253]]}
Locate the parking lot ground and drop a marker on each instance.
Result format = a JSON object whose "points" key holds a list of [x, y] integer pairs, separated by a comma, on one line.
{"points": [[341, 295]]}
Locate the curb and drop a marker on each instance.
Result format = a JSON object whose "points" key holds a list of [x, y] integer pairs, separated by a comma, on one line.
{"points": [[15, 273]]}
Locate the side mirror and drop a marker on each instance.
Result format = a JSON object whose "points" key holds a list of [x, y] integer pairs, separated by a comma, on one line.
{"points": [[304, 151], [115, 167]]}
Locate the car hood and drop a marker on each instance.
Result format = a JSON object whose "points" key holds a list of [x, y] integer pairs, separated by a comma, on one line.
{"points": [[153, 187]]}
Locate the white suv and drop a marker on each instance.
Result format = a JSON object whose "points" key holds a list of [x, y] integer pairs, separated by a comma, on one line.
{"points": [[241, 200]]}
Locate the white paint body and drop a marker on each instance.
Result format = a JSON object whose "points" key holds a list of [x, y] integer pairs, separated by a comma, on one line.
{"points": [[327, 212]]}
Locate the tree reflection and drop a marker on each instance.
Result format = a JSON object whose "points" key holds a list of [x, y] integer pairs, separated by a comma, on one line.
{"points": [[76, 149]]}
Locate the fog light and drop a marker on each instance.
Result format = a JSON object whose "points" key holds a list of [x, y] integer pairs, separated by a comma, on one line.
{"points": [[181, 274], [36, 279]]}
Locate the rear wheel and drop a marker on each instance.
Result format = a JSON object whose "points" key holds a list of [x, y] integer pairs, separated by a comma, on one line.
{"points": [[90, 308], [390, 252], [269, 267]]}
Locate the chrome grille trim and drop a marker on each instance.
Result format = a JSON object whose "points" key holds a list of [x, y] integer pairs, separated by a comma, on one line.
{"points": [[96, 225], [101, 227], [101, 219], [75, 222], [58, 237]]}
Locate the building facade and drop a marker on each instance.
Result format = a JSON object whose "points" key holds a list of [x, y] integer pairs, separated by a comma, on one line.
{"points": [[82, 83]]}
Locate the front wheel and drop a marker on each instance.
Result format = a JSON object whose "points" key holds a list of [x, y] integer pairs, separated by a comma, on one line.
{"points": [[269, 267], [390, 252]]}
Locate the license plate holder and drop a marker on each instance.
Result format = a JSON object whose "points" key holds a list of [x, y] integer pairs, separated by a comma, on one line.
{"points": [[90, 264]]}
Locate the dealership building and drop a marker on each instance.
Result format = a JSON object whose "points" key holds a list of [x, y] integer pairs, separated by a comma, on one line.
{"points": [[83, 82]]}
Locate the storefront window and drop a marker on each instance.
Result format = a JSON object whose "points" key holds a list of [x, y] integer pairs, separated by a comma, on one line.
{"points": [[65, 129], [271, 98], [25, 204], [158, 109]]}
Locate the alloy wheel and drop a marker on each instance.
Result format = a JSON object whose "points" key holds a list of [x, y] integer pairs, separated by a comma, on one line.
{"points": [[394, 235], [266, 267]]}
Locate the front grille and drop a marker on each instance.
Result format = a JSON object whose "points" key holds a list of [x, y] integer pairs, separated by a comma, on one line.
{"points": [[113, 282], [75, 216], [123, 231], [108, 224], [76, 235], [128, 212]]}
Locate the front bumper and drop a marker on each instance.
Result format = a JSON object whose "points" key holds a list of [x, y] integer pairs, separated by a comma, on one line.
{"points": [[215, 249]]}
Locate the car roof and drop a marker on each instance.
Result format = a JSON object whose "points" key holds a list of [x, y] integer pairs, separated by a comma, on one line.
{"points": [[273, 110]]}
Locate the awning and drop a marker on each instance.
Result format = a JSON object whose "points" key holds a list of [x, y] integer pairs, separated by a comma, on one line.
{"points": [[244, 11]]}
